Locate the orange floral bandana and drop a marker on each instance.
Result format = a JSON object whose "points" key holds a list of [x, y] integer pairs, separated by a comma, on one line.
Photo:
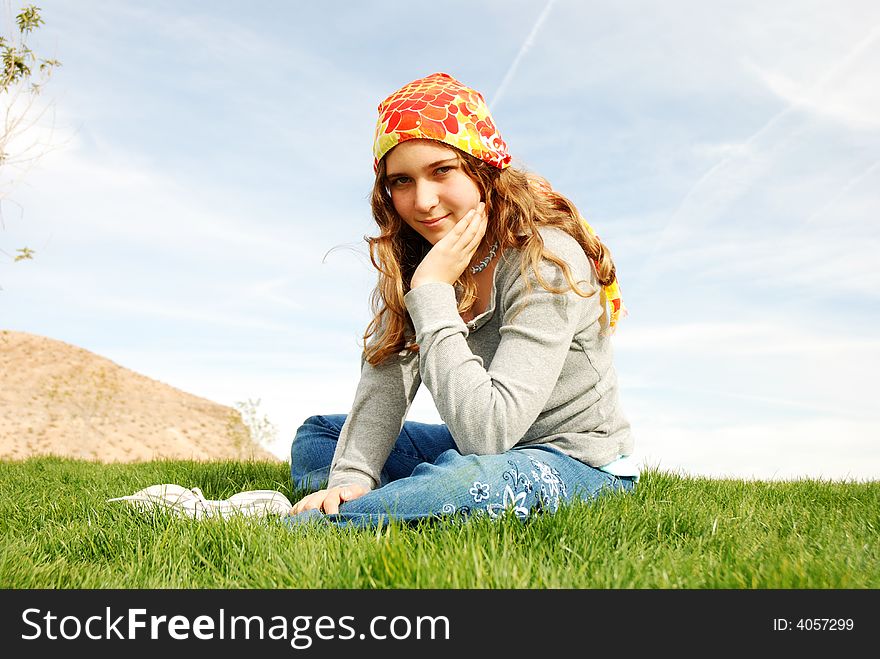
{"points": [[439, 107]]}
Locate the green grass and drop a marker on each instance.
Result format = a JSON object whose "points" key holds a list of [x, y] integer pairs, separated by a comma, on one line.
{"points": [[674, 531]]}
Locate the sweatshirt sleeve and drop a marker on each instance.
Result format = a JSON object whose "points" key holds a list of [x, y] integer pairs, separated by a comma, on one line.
{"points": [[489, 410], [384, 395]]}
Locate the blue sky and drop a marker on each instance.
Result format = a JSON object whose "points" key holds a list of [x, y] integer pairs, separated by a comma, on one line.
{"points": [[201, 216]]}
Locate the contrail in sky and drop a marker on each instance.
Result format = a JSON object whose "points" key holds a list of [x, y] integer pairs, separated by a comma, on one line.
{"points": [[812, 92], [499, 93], [852, 183]]}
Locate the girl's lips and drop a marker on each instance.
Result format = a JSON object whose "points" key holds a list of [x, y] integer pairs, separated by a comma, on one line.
{"points": [[434, 223]]}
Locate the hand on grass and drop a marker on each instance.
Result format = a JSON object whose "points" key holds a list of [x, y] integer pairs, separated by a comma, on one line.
{"points": [[448, 258], [329, 500]]}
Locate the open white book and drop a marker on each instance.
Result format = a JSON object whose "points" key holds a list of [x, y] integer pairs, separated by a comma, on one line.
{"points": [[191, 502]]}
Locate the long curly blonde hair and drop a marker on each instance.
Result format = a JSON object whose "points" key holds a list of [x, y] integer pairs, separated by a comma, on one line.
{"points": [[517, 203]]}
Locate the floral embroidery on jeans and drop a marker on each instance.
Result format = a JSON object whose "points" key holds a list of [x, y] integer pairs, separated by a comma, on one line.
{"points": [[449, 509], [510, 501], [514, 497], [543, 480], [479, 491], [520, 480], [550, 485]]}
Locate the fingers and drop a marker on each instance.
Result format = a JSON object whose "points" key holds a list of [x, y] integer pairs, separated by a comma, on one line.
{"points": [[328, 501], [480, 229], [466, 223], [473, 233], [309, 502], [477, 221], [332, 501], [314, 501], [467, 233]]}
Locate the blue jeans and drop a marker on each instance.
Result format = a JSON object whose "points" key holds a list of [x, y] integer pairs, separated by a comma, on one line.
{"points": [[426, 477]]}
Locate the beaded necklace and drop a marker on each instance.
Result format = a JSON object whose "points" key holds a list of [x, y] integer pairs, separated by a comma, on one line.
{"points": [[482, 264]]}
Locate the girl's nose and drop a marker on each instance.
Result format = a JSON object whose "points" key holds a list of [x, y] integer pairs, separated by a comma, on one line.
{"points": [[426, 197]]}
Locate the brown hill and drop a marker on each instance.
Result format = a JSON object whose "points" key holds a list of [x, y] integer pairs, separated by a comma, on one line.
{"points": [[58, 399]]}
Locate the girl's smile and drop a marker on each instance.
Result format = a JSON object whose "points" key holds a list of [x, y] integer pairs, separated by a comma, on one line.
{"points": [[435, 222], [429, 189]]}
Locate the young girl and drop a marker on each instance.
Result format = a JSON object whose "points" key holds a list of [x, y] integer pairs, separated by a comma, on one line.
{"points": [[496, 295]]}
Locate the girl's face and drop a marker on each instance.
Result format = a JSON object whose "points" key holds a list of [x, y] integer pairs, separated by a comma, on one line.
{"points": [[429, 189]]}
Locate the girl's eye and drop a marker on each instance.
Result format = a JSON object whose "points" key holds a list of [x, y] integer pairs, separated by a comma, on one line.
{"points": [[399, 181], [443, 170]]}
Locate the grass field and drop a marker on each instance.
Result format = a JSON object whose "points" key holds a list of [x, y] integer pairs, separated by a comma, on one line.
{"points": [[58, 531]]}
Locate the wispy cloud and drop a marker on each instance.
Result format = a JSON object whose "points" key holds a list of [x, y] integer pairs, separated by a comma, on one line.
{"points": [[760, 189], [731, 371], [843, 92], [824, 212], [740, 167], [118, 194]]}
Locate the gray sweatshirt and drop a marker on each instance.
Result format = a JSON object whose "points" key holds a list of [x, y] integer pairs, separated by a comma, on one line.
{"points": [[534, 368]]}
